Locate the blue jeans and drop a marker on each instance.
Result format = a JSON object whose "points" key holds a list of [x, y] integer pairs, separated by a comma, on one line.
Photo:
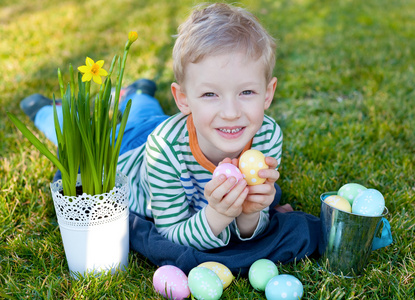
{"points": [[289, 236], [145, 114]]}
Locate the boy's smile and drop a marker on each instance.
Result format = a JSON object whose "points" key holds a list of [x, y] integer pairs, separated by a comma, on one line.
{"points": [[227, 95]]}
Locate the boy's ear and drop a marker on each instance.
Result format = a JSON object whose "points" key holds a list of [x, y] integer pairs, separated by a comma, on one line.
{"points": [[180, 98], [269, 94]]}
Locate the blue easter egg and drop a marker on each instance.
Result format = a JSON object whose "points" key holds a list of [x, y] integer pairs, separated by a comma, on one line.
{"points": [[284, 287], [369, 203]]}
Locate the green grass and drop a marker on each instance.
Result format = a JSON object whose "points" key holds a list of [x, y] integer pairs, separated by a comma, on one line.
{"points": [[344, 101]]}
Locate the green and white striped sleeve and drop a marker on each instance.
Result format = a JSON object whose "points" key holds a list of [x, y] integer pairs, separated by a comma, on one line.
{"points": [[173, 216]]}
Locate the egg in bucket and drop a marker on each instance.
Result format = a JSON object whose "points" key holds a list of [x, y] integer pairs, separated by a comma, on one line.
{"points": [[349, 238]]}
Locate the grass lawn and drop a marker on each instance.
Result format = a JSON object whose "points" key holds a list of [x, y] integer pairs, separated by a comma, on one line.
{"points": [[346, 83]]}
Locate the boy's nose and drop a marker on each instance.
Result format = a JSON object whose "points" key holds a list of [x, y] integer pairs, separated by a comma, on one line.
{"points": [[230, 109]]}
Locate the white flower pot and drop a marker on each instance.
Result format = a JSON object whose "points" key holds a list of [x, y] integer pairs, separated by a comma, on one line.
{"points": [[94, 229]]}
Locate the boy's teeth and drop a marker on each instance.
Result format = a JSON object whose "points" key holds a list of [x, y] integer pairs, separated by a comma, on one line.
{"points": [[230, 130]]}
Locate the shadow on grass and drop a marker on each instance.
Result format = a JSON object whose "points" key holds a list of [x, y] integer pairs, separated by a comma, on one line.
{"points": [[101, 40]]}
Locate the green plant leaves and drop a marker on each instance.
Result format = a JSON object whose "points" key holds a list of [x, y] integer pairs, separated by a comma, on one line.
{"points": [[87, 141]]}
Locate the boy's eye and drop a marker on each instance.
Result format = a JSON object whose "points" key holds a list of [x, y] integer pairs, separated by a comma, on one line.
{"points": [[247, 92], [208, 95]]}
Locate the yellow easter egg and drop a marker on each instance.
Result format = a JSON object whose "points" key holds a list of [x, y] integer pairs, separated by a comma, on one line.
{"points": [[224, 274], [339, 203], [250, 163]]}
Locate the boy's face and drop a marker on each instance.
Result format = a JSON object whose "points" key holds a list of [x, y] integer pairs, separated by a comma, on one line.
{"points": [[227, 96]]}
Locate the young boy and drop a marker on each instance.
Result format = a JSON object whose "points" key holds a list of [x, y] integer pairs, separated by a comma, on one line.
{"points": [[223, 63]]}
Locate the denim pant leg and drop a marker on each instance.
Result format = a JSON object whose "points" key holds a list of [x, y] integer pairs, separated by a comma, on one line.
{"points": [[145, 115], [143, 106], [143, 109], [44, 121]]}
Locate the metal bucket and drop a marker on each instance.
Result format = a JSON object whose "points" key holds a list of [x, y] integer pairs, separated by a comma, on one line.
{"points": [[347, 239]]}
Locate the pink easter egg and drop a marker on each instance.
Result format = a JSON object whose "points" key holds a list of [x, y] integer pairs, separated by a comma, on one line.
{"points": [[229, 170], [171, 282]]}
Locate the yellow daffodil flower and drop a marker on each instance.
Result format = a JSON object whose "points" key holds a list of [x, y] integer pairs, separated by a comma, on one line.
{"points": [[93, 70]]}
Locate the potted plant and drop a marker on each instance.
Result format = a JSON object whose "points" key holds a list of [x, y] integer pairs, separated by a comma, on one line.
{"points": [[91, 199]]}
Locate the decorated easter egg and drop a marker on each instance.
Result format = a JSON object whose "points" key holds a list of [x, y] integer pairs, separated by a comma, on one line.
{"points": [[260, 272], [350, 191], [205, 284], [224, 274], [284, 287], [171, 282], [229, 170], [339, 203], [250, 163], [369, 203]]}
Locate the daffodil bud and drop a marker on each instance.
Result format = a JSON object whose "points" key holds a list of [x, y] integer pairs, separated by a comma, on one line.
{"points": [[132, 36]]}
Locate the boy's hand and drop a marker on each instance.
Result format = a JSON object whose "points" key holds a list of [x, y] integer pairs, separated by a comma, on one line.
{"points": [[261, 196], [225, 201], [226, 197]]}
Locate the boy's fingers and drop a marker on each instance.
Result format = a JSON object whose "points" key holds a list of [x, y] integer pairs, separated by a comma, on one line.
{"points": [[221, 190], [262, 189], [241, 198], [212, 185], [256, 198], [235, 193], [271, 174], [235, 204], [226, 160], [237, 189], [271, 162], [235, 162]]}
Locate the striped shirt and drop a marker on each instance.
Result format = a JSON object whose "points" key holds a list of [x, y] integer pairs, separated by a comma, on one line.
{"points": [[167, 176]]}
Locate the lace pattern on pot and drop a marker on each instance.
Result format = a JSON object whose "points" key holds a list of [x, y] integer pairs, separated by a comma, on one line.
{"points": [[87, 210]]}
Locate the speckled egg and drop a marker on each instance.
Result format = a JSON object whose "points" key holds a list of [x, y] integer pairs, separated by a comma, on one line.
{"points": [[205, 284], [250, 163], [369, 203], [224, 274], [339, 203], [229, 170], [350, 191], [171, 282], [260, 272], [284, 287]]}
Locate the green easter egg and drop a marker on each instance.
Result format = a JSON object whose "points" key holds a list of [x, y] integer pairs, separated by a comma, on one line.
{"points": [[350, 191], [261, 272], [204, 284], [225, 275]]}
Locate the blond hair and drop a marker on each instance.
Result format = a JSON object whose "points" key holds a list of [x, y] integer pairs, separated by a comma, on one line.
{"points": [[219, 29]]}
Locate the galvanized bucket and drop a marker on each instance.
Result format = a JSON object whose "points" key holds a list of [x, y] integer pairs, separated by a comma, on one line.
{"points": [[348, 239]]}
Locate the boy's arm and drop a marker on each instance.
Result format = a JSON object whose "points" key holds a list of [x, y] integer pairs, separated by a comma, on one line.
{"points": [[248, 226], [256, 206], [254, 217], [175, 218]]}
